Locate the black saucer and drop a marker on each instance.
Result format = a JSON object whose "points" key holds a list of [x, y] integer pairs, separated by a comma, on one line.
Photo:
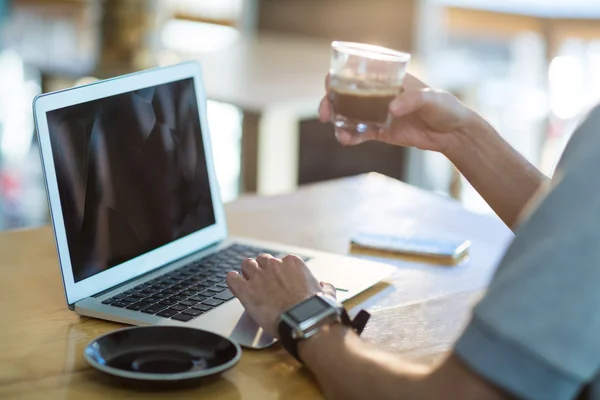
{"points": [[162, 354]]}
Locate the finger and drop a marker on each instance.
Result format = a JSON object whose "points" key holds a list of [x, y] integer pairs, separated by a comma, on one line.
{"points": [[346, 138], [292, 259], [410, 82], [237, 283], [263, 260], [325, 110], [410, 101], [249, 268], [325, 106], [329, 289]]}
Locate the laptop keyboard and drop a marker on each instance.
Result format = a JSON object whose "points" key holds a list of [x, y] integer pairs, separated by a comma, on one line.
{"points": [[191, 290]]}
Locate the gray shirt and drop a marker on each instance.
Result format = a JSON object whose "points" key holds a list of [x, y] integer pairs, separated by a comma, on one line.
{"points": [[536, 333]]}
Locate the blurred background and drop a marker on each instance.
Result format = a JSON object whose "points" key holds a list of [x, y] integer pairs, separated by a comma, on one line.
{"points": [[532, 67]]}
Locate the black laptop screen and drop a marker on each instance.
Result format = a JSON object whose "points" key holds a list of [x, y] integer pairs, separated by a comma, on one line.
{"points": [[132, 174]]}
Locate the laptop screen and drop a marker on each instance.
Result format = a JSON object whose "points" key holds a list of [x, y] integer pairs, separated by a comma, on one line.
{"points": [[132, 174]]}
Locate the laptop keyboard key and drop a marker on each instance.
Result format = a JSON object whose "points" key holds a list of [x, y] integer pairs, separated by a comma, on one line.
{"points": [[213, 302], [130, 299], [193, 312], [178, 297], [119, 304], [182, 317], [225, 295], [188, 303], [197, 298], [152, 299], [154, 308], [202, 307], [138, 306], [168, 301], [179, 307], [109, 301], [168, 313]]}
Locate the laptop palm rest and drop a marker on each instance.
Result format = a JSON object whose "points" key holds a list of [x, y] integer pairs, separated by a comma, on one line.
{"points": [[248, 334]]}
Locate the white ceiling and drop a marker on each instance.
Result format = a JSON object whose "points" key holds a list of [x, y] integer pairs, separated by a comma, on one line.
{"points": [[542, 8]]}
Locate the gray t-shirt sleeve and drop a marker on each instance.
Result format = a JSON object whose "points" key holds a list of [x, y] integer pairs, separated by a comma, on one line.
{"points": [[536, 333]]}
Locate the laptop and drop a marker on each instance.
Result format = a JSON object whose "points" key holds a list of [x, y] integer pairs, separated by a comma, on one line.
{"points": [[138, 221]]}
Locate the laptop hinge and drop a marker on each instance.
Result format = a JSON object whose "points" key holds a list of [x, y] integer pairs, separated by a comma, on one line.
{"points": [[110, 289]]}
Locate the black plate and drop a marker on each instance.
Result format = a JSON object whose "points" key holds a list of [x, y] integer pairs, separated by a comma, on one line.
{"points": [[162, 354]]}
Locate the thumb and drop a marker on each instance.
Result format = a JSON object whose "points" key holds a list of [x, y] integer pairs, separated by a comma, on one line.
{"points": [[237, 284], [410, 101]]}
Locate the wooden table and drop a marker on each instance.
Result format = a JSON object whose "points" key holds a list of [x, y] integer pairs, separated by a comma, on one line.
{"points": [[417, 314]]}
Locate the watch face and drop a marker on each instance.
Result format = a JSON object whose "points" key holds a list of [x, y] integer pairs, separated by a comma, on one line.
{"points": [[308, 309]]}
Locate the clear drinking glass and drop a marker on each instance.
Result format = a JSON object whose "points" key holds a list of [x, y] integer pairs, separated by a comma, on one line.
{"points": [[364, 79]]}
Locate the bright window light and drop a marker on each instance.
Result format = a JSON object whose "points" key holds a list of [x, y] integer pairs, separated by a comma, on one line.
{"points": [[594, 71], [225, 124], [566, 91], [16, 95]]}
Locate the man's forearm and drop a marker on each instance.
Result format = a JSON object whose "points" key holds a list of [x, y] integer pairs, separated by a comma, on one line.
{"points": [[347, 369], [502, 176]]}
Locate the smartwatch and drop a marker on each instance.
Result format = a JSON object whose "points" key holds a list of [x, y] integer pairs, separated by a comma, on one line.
{"points": [[308, 317]]}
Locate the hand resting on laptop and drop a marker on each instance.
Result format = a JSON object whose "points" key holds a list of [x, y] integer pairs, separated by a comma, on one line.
{"points": [[269, 286]]}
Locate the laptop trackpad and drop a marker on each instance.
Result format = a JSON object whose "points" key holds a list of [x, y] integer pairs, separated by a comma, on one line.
{"points": [[248, 334]]}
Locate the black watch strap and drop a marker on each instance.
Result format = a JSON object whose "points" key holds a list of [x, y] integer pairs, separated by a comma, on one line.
{"points": [[291, 345]]}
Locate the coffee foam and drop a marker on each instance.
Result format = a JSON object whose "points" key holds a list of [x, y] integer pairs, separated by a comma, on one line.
{"points": [[368, 91]]}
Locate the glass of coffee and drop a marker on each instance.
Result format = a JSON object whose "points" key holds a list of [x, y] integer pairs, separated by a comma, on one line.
{"points": [[364, 79]]}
